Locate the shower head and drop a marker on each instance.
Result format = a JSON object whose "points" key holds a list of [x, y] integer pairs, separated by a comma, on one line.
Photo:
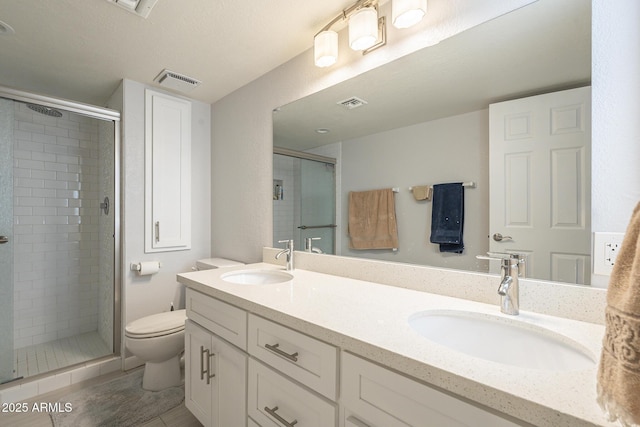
{"points": [[45, 110]]}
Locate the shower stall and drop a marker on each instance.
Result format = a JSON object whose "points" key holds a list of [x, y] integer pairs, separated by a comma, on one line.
{"points": [[59, 234], [304, 199]]}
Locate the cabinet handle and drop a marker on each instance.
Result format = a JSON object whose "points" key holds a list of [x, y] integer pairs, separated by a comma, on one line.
{"points": [[275, 348], [157, 231], [356, 422], [202, 369], [275, 415], [210, 375]]}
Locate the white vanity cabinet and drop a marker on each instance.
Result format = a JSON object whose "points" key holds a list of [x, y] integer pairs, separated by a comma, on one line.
{"points": [[292, 377], [373, 396], [215, 370]]}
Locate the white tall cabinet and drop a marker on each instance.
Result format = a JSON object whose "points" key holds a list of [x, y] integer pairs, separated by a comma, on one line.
{"points": [[167, 172]]}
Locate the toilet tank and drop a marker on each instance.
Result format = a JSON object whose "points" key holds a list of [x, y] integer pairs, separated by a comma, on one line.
{"points": [[210, 263]]}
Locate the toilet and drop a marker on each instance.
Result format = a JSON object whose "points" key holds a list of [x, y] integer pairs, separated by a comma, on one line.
{"points": [[158, 339]]}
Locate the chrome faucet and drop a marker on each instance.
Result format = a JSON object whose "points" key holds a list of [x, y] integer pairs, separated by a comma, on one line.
{"points": [[512, 268], [308, 245], [288, 251]]}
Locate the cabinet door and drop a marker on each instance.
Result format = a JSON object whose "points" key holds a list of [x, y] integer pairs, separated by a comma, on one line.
{"points": [[167, 173], [229, 365], [197, 393], [215, 378]]}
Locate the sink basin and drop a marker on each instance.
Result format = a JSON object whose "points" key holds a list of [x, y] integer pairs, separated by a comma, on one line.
{"points": [[256, 277], [502, 340]]}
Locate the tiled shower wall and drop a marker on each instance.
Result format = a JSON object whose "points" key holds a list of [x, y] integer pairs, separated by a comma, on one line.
{"points": [[286, 212], [56, 217]]}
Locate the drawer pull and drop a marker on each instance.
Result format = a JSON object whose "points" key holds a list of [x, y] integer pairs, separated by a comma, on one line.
{"points": [[353, 421], [276, 349], [275, 415]]}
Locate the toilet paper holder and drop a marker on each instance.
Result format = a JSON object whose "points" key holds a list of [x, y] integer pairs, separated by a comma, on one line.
{"points": [[146, 267]]}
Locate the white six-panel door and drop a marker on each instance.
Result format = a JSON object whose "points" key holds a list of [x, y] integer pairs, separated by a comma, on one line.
{"points": [[540, 196]]}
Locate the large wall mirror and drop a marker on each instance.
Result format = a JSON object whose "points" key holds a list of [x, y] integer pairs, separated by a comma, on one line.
{"points": [[424, 119]]}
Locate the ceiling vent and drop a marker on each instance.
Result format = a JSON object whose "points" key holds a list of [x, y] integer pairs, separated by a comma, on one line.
{"points": [[176, 81], [353, 102], [139, 7]]}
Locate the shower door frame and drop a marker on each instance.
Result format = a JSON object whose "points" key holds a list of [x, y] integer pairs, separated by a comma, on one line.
{"points": [[321, 159], [101, 114]]}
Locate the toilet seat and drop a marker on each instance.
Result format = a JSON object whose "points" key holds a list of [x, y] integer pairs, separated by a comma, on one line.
{"points": [[157, 325]]}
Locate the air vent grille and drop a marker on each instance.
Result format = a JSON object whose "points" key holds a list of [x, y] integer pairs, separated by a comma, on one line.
{"points": [[139, 7], [176, 81], [352, 102]]}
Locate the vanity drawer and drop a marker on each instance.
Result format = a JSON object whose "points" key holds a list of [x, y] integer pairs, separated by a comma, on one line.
{"points": [[222, 319], [274, 401], [389, 399], [305, 359]]}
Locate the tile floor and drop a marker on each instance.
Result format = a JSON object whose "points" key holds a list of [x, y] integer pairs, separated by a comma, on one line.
{"points": [[176, 417], [45, 357]]}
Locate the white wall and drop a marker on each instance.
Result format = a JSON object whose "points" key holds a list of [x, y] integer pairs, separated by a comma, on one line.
{"points": [[242, 132], [423, 154], [153, 294]]}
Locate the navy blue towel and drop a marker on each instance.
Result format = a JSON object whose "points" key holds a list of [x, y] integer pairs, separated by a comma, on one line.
{"points": [[447, 217]]}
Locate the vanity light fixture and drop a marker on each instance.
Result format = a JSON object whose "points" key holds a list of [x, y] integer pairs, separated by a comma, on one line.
{"points": [[367, 31], [363, 28], [406, 13]]}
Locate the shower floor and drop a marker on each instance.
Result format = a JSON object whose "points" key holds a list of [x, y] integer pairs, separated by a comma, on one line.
{"points": [[45, 357]]}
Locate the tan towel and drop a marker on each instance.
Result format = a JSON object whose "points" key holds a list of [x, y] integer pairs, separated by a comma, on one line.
{"points": [[372, 220], [619, 371], [422, 192]]}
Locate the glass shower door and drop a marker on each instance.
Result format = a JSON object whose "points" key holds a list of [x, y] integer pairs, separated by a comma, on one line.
{"points": [[6, 241], [57, 240], [318, 205]]}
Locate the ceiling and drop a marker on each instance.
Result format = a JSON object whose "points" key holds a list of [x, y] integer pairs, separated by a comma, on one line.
{"points": [[81, 49], [542, 47]]}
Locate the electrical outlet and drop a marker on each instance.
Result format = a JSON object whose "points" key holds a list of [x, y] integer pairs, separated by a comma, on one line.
{"points": [[611, 253], [605, 251]]}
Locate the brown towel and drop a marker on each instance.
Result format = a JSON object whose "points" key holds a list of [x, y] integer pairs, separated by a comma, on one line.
{"points": [[422, 192], [372, 220], [619, 371]]}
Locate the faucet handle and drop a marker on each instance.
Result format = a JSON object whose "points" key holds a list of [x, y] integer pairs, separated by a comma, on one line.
{"points": [[307, 243], [507, 260], [503, 255], [289, 243]]}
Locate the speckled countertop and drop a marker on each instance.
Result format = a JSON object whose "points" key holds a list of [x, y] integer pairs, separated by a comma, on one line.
{"points": [[371, 320]]}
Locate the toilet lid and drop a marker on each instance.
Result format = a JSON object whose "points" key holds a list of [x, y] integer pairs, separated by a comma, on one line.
{"points": [[157, 324]]}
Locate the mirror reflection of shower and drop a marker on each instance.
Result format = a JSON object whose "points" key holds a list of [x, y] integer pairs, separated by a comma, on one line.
{"points": [[47, 111], [304, 200], [57, 298]]}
